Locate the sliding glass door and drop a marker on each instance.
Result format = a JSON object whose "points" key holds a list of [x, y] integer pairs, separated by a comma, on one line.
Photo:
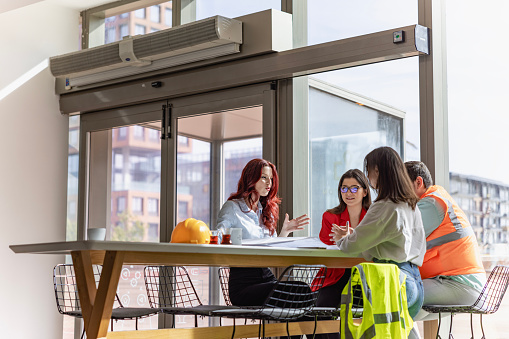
{"points": [[216, 135], [123, 188], [153, 165]]}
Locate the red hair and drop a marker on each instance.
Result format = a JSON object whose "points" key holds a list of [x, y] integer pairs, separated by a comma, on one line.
{"points": [[251, 173]]}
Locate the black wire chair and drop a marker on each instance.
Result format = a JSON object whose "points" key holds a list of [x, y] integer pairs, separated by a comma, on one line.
{"points": [[171, 291], [68, 303], [224, 278], [488, 302], [290, 299]]}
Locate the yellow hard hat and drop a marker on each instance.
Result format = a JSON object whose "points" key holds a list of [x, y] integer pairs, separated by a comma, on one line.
{"points": [[191, 231]]}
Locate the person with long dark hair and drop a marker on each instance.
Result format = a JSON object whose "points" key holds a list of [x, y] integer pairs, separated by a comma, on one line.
{"points": [[392, 230], [354, 200], [255, 209]]}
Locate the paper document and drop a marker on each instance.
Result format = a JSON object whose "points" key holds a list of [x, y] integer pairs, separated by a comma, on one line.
{"points": [[289, 242]]}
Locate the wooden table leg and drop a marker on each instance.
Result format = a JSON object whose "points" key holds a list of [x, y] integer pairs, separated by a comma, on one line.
{"points": [[430, 328], [97, 304]]}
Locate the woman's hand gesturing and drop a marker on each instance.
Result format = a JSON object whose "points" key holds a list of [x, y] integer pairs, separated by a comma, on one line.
{"points": [[339, 232], [296, 224]]}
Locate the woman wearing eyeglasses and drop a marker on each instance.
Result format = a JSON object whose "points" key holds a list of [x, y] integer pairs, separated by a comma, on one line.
{"points": [[354, 201]]}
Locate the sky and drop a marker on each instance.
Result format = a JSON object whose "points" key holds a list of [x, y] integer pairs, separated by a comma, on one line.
{"points": [[478, 83]]}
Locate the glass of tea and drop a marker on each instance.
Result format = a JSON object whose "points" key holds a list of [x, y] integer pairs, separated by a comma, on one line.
{"points": [[214, 237], [226, 237]]}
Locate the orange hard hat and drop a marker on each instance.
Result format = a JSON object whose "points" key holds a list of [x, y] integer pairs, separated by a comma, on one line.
{"points": [[191, 231]]}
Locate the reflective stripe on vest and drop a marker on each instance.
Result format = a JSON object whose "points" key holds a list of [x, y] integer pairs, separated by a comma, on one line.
{"points": [[459, 232], [375, 318]]}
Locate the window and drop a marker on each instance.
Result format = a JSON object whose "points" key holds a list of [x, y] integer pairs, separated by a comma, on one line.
{"points": [[110, 35], [118, 182], [124, 30], [236, 155], [72, 208], [153, 232], [182, 212], [153, 206], [330, 20], [183, 141], [139, 132], [168, 13], [118, 161], [153, 135], [73, 164], [232, 8], [121, 204], [122, 133], [71, 233], [341, 132], [123, 15], [140, 13], [73, 138], [155, 13], [139, 29], [137, 205]]}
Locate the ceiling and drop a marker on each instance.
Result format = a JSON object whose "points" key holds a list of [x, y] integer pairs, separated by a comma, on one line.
{"points": [[9, 5], [241, 123]]}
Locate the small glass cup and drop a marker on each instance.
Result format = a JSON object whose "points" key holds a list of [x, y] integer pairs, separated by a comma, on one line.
{"points": [[226, 237], [214, 237]]}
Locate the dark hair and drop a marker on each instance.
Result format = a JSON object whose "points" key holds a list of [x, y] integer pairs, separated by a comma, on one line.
{"points": [[251, 173], [393, 181], [418, 169], [362, 180]]}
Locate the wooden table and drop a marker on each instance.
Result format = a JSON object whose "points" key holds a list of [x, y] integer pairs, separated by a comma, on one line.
{"points": [[97, 303]]}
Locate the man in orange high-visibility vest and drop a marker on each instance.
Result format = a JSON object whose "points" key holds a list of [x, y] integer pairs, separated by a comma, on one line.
{"points": [[452, 272]]}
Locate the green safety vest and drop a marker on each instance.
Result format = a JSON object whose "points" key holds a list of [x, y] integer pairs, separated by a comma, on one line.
{"points": [[385, 309]]}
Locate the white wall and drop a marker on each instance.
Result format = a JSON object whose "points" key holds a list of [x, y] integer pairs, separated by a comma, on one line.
{"points": [[33, 170]]}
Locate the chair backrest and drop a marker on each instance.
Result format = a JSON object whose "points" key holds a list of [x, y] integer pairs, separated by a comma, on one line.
{"points": [[169, 286], [224, 277], [292, 296], [493, 292], [66, 290]]}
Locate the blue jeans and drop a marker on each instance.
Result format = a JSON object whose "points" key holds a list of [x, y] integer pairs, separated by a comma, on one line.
{"points": [[414, 289]]}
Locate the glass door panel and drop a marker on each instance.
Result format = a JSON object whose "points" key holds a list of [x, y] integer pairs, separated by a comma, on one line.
{"points": [[125, 197], [135, 184], [140, 182], [193, 179], [236, 155], [209, 144]]}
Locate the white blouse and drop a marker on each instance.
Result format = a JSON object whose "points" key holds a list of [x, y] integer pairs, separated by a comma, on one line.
{"points": [[236, 213], [389, 231]]}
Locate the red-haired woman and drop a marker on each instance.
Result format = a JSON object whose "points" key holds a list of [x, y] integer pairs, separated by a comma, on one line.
{"points": [[255, 209]]}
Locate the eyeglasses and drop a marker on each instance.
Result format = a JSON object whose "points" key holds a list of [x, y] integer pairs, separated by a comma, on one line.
{"points": [[352, 189]]}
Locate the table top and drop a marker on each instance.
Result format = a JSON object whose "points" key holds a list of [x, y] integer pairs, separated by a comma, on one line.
{"points": [[195, 254]]}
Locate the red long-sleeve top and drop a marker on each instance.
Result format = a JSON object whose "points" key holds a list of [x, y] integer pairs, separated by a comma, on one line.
{"points": [[334, 274]]}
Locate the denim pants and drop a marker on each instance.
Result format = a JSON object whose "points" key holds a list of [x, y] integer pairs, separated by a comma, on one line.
{"points": [[414, 289]]}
